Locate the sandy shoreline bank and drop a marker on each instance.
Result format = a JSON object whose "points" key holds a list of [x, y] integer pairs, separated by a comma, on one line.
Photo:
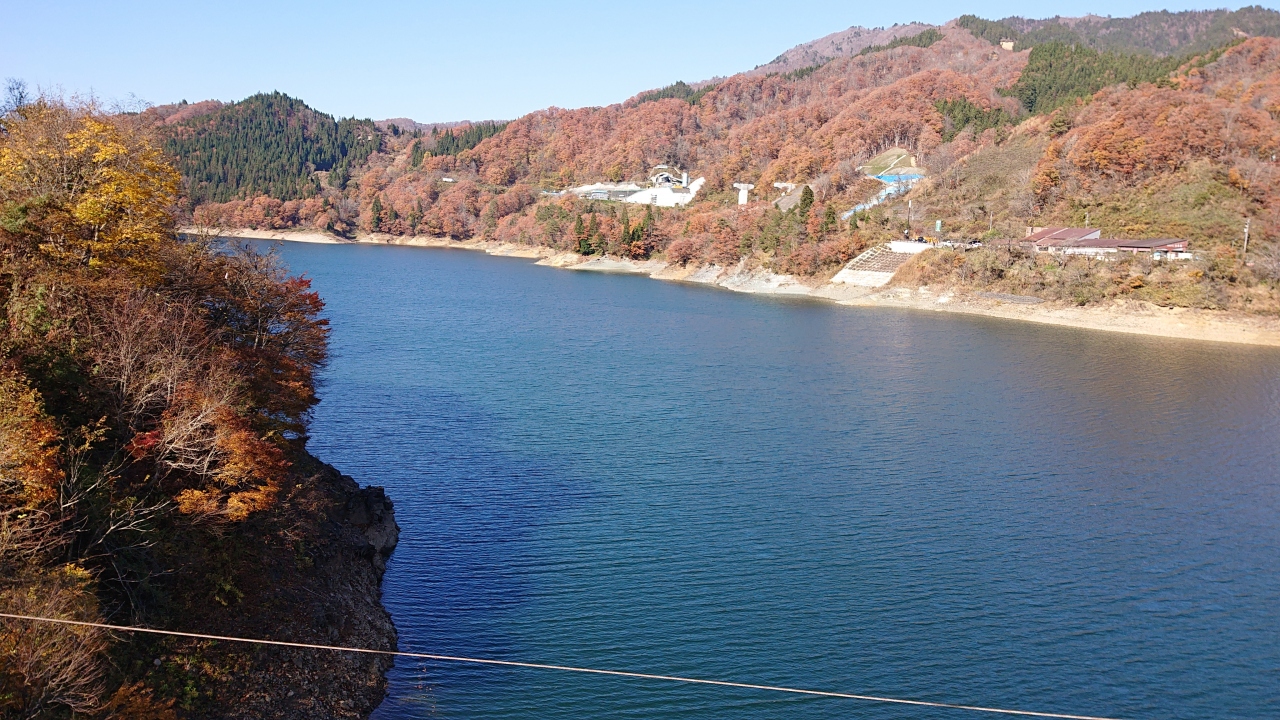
{"points": [[322, 238], [1139, 318]]}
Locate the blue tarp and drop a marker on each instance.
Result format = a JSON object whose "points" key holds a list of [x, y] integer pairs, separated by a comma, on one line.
{"points": [[895, 185]]}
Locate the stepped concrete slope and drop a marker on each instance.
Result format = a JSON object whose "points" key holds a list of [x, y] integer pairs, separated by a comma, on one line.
{"points": [[873, 268]]}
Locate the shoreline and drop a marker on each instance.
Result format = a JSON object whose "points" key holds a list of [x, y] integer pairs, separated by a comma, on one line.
{"points": [[1131, 317]]}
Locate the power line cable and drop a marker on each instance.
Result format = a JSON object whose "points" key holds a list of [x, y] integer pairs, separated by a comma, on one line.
{"points": [[565, 668]]}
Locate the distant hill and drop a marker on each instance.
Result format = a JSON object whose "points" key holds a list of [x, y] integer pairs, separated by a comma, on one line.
{"points": [[845, 43], [1159, 125], [267, 144], [409, 125], [803, 58], [178, 112], [1159, 33], [276, 146]]}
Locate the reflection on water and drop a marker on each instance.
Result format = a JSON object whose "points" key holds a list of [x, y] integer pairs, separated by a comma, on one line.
{"points": [[615, 472]]}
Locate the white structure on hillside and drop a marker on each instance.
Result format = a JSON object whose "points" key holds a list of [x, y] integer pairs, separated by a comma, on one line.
{"points": [[665, 175], [668, 195], [742, 191], [668, 187], [605, 191], [876, 267]]}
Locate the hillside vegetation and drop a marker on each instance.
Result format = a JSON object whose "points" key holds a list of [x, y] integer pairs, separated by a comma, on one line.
{"points": [[844, 43], [154, 402], [1057, 73], [1160, 33], [1124, 121], [266, 145]]}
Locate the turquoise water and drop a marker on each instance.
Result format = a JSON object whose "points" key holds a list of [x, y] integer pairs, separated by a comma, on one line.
{"points": [[613, 472]]}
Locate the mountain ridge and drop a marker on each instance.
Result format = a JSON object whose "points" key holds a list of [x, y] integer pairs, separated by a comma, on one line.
{"points": [[854, 39], [951, 96], [844, 43]]}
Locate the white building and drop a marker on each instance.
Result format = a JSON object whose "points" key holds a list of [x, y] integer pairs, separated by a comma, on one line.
{"points": [[668, 187], [605, 191], [667, 195]]}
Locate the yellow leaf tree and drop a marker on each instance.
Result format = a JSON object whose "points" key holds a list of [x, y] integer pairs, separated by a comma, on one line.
{"points": [[84, 188]]}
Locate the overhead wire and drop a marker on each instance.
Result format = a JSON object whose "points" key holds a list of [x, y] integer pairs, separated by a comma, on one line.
{"points": [[563, 668]]}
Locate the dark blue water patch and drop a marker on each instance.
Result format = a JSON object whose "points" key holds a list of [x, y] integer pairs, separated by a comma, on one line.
{"points": [[613, 472]]}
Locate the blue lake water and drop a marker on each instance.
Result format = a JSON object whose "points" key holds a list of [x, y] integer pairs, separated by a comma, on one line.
{"points": [[613, 472]]}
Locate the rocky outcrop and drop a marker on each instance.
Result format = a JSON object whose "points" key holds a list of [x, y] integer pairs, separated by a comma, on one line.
{"points": [[339, 604], [370, 512], [311, 572]]}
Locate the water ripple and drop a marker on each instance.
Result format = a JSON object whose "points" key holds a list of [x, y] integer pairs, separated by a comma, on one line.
{"points": [[613, 472]]}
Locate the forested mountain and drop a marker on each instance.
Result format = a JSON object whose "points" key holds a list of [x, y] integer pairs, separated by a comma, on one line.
{"points": [[1158, 33], [679, 90], [268, 144], [999, 133], [455, 140], [1058, 72]]}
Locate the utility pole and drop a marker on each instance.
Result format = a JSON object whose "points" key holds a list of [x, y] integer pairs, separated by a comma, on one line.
{"points": [[908, 219], [1245, 255], [1086, 219]]}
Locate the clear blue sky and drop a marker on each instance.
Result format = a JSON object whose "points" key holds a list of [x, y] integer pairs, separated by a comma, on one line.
{"points": [[435, 61]]}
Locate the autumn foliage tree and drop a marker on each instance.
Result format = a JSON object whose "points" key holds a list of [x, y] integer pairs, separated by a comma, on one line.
{"points": [[83, 189], [146, 382]]}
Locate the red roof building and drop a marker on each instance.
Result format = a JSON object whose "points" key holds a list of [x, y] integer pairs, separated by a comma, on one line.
{"points": [[1089, 241], [1158, 245], [1066, 239], [1036, 234]]}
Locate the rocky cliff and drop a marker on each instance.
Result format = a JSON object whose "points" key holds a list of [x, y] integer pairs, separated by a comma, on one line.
{"points": [[310, 573]]}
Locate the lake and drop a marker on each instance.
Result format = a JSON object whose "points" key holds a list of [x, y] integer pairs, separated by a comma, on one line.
{"points": [[614, 472]]}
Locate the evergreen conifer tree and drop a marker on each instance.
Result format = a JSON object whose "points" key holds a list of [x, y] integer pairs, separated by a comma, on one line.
{"points": [[375, 214], [829, 219], [580, 234], [415, 216], [593, 235], [806, 201]]}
